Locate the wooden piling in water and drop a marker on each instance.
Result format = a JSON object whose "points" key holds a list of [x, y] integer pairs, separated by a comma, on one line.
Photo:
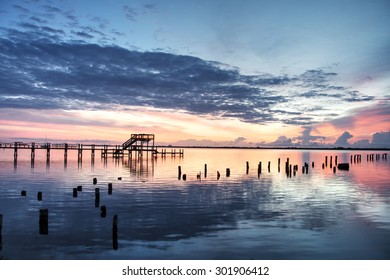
{"points": [[79, 188], [103, 211], [39, 196], [205, 170], [97, 197], [94, 181], [115, 232], [74, 192], [23, 193], [227, 172], [343, 166], [247, 167], [218, 175], [334, 169], [269, 166], [184, 177], [179, 172], [109, 188], [44, 221], [1, 228]]}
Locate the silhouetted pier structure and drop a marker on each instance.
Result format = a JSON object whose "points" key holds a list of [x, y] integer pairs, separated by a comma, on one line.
{"points": [[136, 145]]}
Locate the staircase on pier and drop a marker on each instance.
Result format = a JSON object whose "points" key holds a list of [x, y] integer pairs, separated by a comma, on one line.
{"points": [[140, 143]]}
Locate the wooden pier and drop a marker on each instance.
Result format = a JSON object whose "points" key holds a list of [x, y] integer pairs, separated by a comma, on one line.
{"points": [[136, 145]]}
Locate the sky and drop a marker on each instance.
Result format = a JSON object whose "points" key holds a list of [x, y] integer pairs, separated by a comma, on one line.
{"points": [[217, 73]]}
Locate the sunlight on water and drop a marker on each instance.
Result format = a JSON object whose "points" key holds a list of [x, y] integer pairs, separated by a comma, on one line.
{"points": [[247, 215]]}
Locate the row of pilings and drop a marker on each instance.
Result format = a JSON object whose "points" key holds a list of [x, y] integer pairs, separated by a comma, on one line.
{"points": [[292, 169], [43, 224]]}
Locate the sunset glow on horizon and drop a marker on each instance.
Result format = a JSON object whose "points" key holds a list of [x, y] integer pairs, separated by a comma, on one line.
{"points": [[207, 73]]}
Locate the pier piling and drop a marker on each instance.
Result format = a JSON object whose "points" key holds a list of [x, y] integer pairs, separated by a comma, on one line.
{"points": [[94, 181], [205, 170], [179, 172], [39, 196], [110, 188], [23, 193], [74, 192], [44, 221], [115, 232], [97, 197], [103, 211]]}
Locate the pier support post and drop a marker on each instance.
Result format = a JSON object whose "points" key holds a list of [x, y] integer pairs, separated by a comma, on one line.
{"points": [[227, 172], [44, 221], [32, 153], [1, 228], [103, 211], [205, 170], [39, 196], [115, 232], [109, 188], [74, 192], [179, 172], [247, 167], [97, 197]]}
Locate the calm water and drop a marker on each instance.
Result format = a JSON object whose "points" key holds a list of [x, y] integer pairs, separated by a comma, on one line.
{"points": [[319, 215]]}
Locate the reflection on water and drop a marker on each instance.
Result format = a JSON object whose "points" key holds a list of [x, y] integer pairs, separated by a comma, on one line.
{"points": [[250, 214]]}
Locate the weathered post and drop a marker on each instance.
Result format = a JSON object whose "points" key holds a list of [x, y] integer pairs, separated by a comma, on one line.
{"points": [[326, 160], [109, 188], [97, 197], [44, 221], [1, 228], [334, 169], [115, 232], [94, 181], [205, 170], [218, 175], [79, 188], [39, 196], [103, 211], [335, 160], [74, 192], [179, 172], [278, 161], [247, 167], [312, 164], [269, 166], [227, 172], [184, 177], [23, 193]]}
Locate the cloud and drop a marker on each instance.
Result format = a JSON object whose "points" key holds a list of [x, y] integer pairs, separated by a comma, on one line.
{"points": [[342, 141], [306, 139], [130, 13], [381, 140], [282, 141], [43, 71]]}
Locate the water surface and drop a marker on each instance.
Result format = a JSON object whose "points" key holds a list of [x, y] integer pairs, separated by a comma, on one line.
{"points": [[318, 215]]}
